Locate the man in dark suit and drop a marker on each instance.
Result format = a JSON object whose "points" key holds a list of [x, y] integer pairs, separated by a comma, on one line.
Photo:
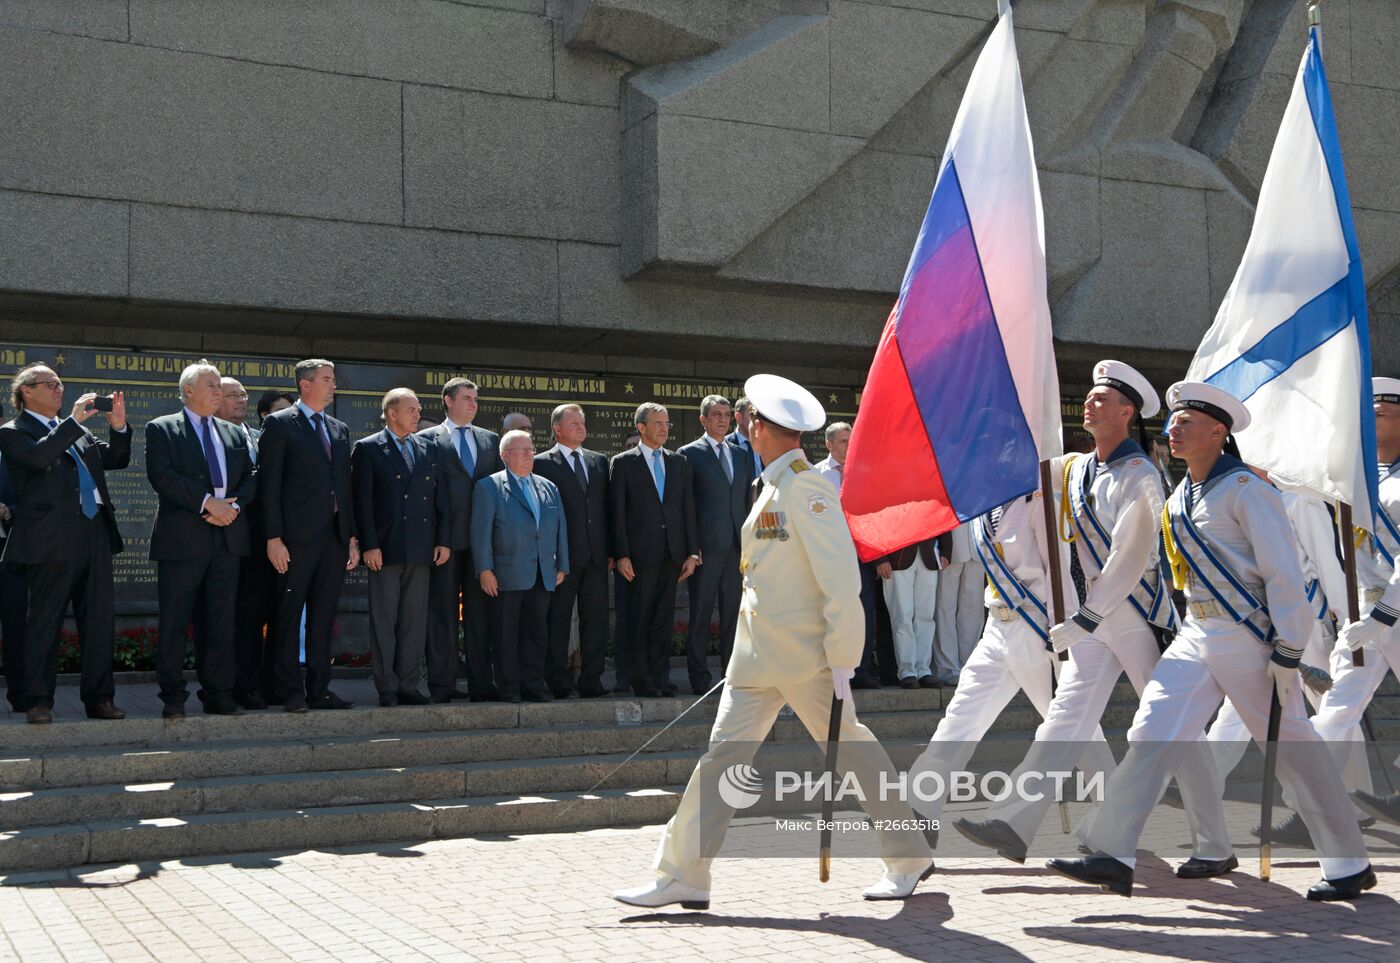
{"points": [[721, 473], [65, 533], [655, 544], [743, 417], [520, 545], [255, 614], [200, 469], [465, 454], [308, 518], [582, 479], [401, 514], [14, 596]]}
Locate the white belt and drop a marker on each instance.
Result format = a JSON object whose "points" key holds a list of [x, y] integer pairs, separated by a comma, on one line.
{"points": [[1002, 613], [1209, 609], [1374, 595]]}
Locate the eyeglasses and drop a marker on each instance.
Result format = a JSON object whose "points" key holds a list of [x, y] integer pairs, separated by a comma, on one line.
{"points": [[54, 384]]}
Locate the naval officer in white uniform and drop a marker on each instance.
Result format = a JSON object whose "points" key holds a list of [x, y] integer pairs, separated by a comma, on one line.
{"points": [[1248, 620], [800, 635]]}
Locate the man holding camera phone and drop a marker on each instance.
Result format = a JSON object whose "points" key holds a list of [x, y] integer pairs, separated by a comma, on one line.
{"points": [[65, 532]]}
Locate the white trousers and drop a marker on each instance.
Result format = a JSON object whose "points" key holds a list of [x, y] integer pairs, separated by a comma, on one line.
{"points": [[959, 617], [1229, 736], [745, 717], [1010, 658], [1210, 660], [912, 598], [1122, 643], [1339, 715]]}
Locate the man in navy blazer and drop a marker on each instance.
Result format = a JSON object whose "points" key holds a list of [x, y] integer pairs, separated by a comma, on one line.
{"points": [[520, 545], [308, 517], [201, 470], [721, 474], [65, 533], [466, 453], [401, 514], [14, 596]]}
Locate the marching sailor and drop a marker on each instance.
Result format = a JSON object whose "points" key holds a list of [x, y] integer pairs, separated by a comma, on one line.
{"points": [[1114, 502], [1248, 619], [1324, 582], [1377, 573], [1010, 656], [801, 633]]}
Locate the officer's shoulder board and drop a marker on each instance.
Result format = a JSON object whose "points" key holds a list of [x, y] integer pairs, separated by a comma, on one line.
{"points": [[798, 466]]}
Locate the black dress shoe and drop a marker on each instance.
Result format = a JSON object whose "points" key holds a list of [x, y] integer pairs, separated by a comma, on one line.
{"points": [[928, 682], [511, 697], [1104, 871], [620, 687], [38, 715], [592, 692], [667, 690], [295, 703], [172, 711], [105, 710], [1195, 868], [864, 682], [250, 702], [645, 691], [538, 695], [444, 698], [561, 693], [1290, 832], [1348, 887], [275, 700], [387, 700], [331, 701], [1380, 807], [908, 682], [224, 706], [412, 697], [994, 834], [459, 694]]}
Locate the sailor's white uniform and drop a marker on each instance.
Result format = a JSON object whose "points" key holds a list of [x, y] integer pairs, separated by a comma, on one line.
{"points": [[1125, 496], [1376, 575], [1241, 520], [1326, 588], [1010, 656]]}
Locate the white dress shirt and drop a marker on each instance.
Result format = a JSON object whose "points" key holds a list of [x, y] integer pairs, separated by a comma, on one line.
{"points": [[567, 454], [198, 422]]}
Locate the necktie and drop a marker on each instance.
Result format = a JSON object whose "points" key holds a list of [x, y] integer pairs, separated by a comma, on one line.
{"points": [[579, 472], [464, 451], [658, 472], [322, 433], [721, 454], [406, 447], [252, 445], [87, 487], [211, 458], [527, 492]]}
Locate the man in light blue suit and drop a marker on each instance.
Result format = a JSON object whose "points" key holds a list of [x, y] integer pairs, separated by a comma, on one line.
{"points": [[521, 549]]}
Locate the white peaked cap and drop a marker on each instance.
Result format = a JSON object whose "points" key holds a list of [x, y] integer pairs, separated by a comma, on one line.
{"points": [[785, 402], [1216, 402], [1130, 381]]}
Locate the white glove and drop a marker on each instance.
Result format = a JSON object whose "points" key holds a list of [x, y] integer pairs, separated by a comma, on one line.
{"points": [[1357, 634], [841, 683], [1066, 634], [1284, 679]]}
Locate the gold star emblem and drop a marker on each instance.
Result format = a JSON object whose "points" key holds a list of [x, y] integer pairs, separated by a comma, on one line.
{"points": [[627, 387], [60, 360], [831, 398]]}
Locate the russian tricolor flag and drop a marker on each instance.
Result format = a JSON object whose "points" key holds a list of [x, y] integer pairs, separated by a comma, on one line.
{"points": [[962, 400]]}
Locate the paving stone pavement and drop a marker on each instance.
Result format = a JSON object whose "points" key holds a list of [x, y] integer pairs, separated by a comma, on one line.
{"points": [[546, 897]]}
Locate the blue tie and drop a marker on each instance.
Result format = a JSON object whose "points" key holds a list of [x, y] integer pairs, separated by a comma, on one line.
{"points": [[406, 447], [527, 492], [211, 457], [464, 451], [87, 488], [658, 472]]}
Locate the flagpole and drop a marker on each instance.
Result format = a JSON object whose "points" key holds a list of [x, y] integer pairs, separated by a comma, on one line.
{"points": [[1052, 537], [1358, 656]]}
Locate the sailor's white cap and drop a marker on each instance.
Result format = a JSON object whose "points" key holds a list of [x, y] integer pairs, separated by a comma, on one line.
{"points": [[1131, 382], [1386, 389], [1216, 402]]}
